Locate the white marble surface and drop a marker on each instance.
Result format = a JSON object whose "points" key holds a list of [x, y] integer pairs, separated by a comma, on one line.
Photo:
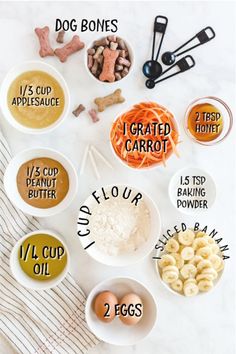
{"points": [[205, 324]]}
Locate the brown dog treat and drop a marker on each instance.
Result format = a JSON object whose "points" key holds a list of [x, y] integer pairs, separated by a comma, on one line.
{"points": [[112, 38], [113, 98], [118, 76], [124, 72], [101, 42], [121, 44], [71, 47], [100, 59], [122, 53], [98, 52], [124, 62], [90, 61], [113, 45], [94, 115], [91, 51], [43, 36], [94, 67], [78, 110], [60, 37], [108, 68], [119, 67]]}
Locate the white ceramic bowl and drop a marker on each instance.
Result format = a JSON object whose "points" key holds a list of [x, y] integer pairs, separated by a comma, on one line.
{"points": [[116, 332], [167, 286], [128, 258], [11, 185], [209, 186], [143, 168], [12, 75], [131, 55], [23, 278]]}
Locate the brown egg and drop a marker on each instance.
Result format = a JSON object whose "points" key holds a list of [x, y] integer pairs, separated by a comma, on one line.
{"points": [[104, 306], [131, 309]]}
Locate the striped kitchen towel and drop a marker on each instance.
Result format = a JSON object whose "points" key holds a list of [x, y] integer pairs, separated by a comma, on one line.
{"points": [[36, 322]]}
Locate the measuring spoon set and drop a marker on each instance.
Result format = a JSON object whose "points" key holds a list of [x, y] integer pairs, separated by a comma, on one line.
{"points": [[153, 69]]}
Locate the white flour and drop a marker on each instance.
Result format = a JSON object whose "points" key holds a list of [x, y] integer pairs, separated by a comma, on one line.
{"points": [[119, 226]]}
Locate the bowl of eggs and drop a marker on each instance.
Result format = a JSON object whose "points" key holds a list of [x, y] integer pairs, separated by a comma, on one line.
{"points": [[191, 263], [120, 311]]}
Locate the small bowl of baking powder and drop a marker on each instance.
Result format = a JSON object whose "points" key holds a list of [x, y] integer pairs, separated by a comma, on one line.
{"points": [[118, 225]]}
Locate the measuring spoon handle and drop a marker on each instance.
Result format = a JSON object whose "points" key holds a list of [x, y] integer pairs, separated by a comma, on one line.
{"points": [[160, 25]]}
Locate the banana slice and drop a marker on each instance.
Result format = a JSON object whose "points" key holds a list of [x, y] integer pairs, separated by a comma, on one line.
{"points": [[210, 271], [203, 264], [169, 276], [187, 253], [215, 249], [177, 285], [221, 266], [190, 280], [199, 243], [190, 289], [204, 252], [205, 285], [209, 240], [166, 260], [170, 269], [188, 271], [216, 261], [195, 260], [179, 260], [186, 237], [200, 277], [172, 246], [200, 234]]}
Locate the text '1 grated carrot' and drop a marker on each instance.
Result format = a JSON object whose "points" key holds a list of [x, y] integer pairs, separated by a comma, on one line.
{"points": [[145, 136]]}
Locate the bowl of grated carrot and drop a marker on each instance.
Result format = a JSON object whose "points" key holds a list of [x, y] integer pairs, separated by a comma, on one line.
{"points": [[145, 136]]}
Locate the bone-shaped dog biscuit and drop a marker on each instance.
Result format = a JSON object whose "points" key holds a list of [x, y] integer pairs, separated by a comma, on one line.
{"points": [[71, 47], [113, 98], [43, 36], [108, 69]]}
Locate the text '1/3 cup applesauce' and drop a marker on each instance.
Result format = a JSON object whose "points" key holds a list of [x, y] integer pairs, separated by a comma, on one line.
{"points": [[42, 182], [36, 99]]}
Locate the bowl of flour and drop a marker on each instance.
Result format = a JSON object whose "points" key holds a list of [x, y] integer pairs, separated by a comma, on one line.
{"points": [[118, 225]]}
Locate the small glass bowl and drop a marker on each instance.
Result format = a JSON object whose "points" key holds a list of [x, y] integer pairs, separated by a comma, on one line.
{"points": [[226, 114]]}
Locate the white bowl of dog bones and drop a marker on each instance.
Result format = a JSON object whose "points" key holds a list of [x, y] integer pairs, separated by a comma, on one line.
{"points": [[190, 263]]}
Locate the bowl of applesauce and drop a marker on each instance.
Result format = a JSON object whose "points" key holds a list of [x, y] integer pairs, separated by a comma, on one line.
{"points": [[34, 97]]}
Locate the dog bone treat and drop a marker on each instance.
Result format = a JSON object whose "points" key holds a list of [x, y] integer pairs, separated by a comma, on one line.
{"points": [[118, 76], [111, 56], [112, 38], [102, 42], [90, 61], [123, 61], [98, 52], [91, 51], [124, 72], [43, 36], [113, 45], [94, 115], [109, 100], [60, 37], [71, 47], [108, 69], [78, 110], [121, 43]]}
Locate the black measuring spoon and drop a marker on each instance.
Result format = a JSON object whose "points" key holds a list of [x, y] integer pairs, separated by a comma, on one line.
{"points": [[204, 36], [183, 64], [152, 68]]}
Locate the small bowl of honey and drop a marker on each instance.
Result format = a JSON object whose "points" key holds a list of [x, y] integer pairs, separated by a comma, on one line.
{"points": [[208, 120]]}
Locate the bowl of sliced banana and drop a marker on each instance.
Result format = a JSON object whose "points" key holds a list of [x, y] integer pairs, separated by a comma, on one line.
{"points": [[191, 263]]}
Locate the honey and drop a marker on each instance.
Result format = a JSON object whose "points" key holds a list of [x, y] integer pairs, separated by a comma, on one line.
{"points": [[205, 122]]}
